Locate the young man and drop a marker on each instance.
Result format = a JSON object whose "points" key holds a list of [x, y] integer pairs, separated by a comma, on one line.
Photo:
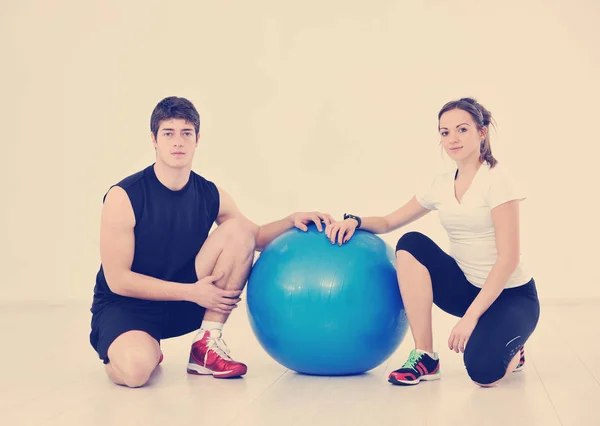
{"points": [[162, 275]]}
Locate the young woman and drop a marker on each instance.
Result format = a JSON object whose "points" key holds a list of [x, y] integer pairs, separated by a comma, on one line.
{"points": [[482, 281]]}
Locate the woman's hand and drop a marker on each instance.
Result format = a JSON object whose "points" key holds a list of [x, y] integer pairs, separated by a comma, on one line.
{"points": [[461, 333], [341, 231]]}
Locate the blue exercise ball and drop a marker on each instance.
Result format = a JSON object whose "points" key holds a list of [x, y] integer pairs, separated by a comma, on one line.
{"points": [[323, 309]]}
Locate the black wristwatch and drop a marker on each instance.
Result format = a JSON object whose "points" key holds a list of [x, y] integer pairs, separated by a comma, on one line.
{"points": [[351, 216]]}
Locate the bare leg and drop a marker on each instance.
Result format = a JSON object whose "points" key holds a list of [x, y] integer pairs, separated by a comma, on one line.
{"points": [[417, 295], [133, 357], [229, 249]]}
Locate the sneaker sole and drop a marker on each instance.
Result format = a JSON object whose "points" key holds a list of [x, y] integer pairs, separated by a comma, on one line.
{"points": [[203, 371], [426, 378]]}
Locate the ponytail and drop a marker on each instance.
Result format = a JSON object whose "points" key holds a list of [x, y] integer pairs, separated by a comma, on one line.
{"points": [[485, 148]]}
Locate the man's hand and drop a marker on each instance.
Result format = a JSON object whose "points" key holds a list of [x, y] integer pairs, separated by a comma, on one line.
{"points": [[205, 293], [302, 219]]}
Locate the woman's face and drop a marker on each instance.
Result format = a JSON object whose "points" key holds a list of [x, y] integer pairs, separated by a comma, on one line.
{"points": [[459, 135]]}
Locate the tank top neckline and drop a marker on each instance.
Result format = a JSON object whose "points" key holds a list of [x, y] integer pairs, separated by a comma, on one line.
{"points": [[167, 190]]}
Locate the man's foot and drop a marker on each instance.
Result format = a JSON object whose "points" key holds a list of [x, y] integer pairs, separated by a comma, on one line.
{"points": [[521, 363], [419, 366], [210, 356]]}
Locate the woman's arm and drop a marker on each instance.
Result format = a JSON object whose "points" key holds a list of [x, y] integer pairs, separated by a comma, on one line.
{"points": [[408, 213], [506, 228]]}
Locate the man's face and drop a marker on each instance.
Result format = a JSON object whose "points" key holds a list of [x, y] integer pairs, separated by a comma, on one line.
{"points": [[176, 142]]}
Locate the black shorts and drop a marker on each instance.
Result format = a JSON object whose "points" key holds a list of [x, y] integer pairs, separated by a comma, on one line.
{"points": [[160, 319], [500, 332]]}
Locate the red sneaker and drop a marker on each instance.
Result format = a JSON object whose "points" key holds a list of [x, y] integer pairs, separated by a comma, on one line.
{"points": [[210, 356]]}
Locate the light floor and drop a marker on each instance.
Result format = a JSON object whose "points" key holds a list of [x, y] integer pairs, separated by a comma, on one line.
{"points": [[49, 375]]}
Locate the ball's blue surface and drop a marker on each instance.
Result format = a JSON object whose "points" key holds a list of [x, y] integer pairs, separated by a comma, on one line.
{"points": [[322, 309]]}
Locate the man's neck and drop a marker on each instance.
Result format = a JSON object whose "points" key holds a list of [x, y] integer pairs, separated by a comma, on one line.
{"points": [[173, 178]]}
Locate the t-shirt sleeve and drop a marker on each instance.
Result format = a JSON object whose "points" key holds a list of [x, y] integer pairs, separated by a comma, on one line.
{"points": [[504, 188], [427, 193]]}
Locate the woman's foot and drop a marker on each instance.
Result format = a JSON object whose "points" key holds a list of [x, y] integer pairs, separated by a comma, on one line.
{"points": [[521, 363], [419, 366]]}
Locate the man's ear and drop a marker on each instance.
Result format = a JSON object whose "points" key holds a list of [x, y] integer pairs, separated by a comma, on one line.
{"points": [[153, 138]]}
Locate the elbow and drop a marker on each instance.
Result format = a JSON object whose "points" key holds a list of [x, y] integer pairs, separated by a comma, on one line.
{"points": [[116, 282], [509, 262], [386, 226]]}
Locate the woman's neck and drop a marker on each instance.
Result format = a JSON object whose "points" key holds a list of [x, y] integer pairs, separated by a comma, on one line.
{"points": [[468, 168]]}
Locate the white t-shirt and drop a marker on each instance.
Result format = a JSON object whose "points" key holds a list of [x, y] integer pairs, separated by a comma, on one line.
{"points": [[469, 223]]}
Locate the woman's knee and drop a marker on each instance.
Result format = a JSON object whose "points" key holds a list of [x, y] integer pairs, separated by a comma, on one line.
{"points": [[410, 240], [413, 245], [483, 369], [484, 378], [406, 246]]}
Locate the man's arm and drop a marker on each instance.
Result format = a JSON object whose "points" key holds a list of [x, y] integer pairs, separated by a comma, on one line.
{"points": [[266, 233], [117, 244]]}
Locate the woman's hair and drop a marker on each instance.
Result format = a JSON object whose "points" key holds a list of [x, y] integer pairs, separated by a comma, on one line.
{"points": [[482, 118]]}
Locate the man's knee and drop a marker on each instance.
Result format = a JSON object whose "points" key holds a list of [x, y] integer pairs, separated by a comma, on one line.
{"points": [[239, 234], [134, 366], [133, 356]]}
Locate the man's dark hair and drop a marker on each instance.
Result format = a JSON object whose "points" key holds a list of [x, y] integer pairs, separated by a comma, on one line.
{"points": [[174, 107]]}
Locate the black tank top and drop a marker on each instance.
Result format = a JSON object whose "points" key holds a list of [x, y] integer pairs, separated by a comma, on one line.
{"points": [[170, 228]]}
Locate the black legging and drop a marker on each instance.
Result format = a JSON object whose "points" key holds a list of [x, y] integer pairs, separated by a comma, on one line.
{"points": [[500, 332]]}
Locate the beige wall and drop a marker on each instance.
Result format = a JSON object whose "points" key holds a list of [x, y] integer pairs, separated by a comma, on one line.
{"points": [[326, 105]]}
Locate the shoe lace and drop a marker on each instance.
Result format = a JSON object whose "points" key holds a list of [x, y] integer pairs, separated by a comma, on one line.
{"points": [[412, 360], [217, 345]]}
